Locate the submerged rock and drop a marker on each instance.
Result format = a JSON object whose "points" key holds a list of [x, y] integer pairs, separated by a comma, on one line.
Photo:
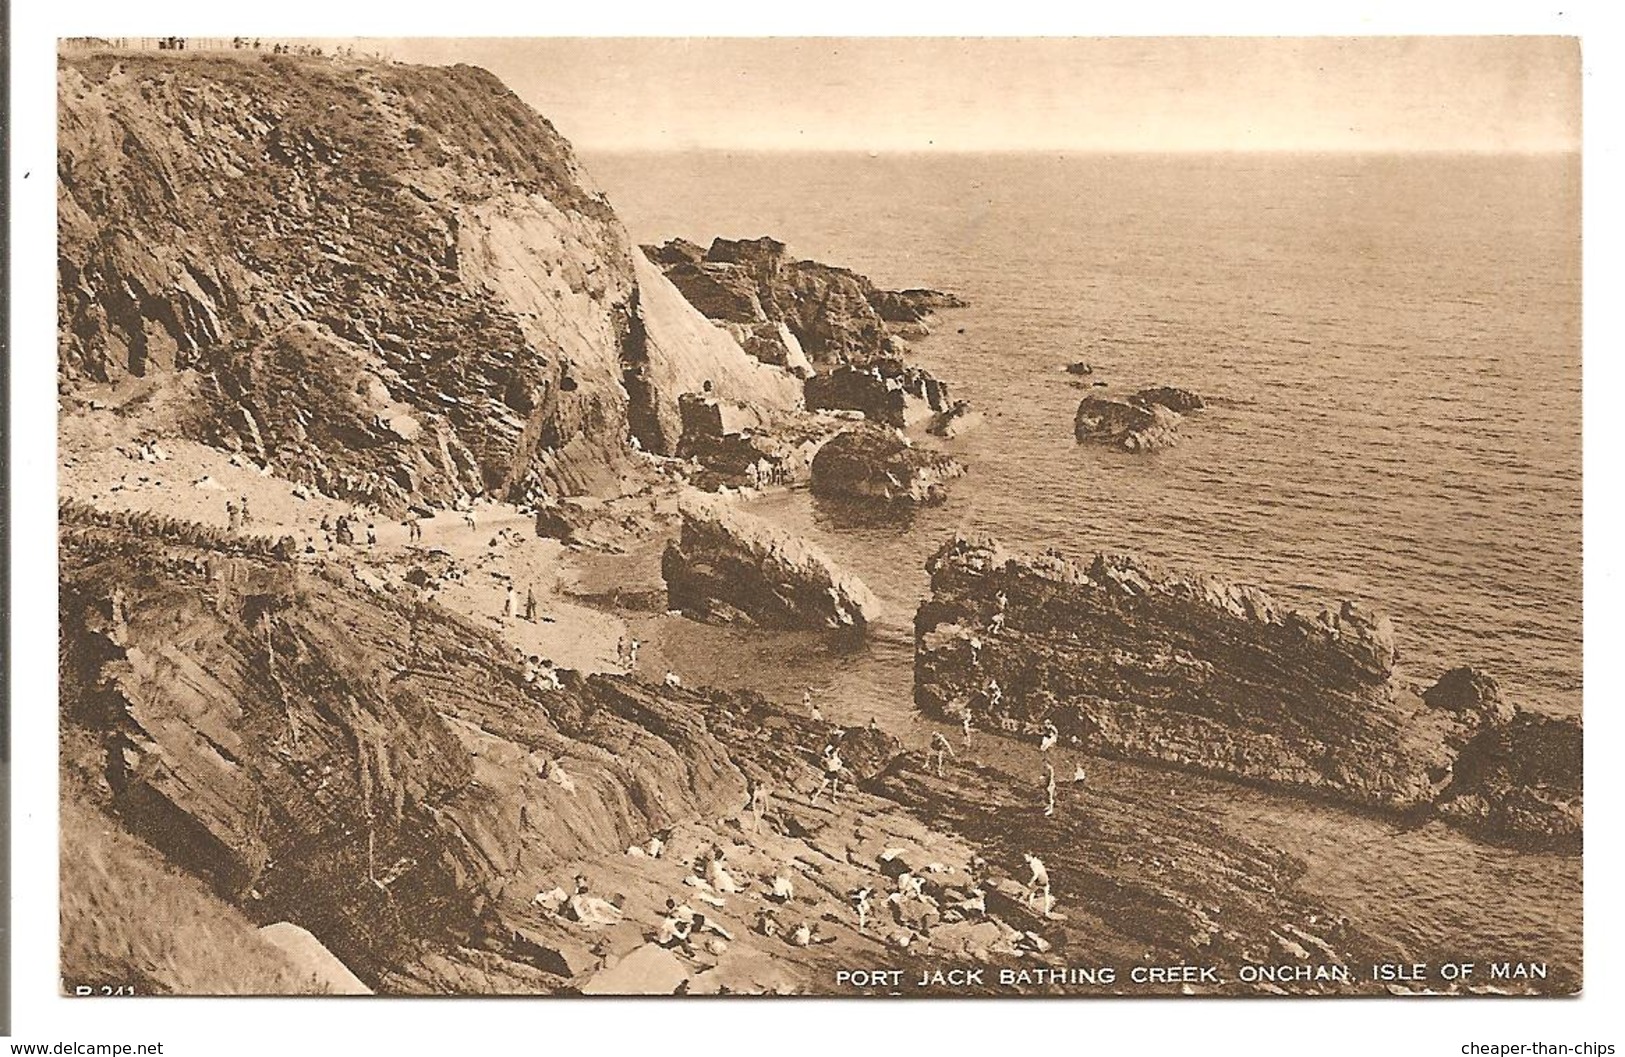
{"points": [[871, 462], [1167, 396], [731, 567]]}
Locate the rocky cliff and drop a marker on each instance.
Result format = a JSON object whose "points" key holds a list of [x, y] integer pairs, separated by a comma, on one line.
{"points": [[367, 767], [392, 282], [731, 567], [834, 315], [1198, 672]]}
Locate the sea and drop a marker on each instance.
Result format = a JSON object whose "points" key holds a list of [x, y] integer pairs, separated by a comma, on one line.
{"points": [[1389, 347]]}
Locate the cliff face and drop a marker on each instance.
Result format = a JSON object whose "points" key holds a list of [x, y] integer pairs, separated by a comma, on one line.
{"points": [[1199, 672], [684, 354], [729, 566], [394, 281]]}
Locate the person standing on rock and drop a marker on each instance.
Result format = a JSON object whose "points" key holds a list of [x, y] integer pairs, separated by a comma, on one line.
{"points": [[756, 803], [940, 746], [1039, 882], [830, 761], [860, 902], [1049, 789]]}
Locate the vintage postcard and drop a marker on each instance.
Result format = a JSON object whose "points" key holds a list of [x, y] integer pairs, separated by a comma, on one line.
{"points": [[1047, 517]]}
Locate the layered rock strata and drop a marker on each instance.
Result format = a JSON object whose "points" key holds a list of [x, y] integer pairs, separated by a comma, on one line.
{"points": [[1198, 672]]}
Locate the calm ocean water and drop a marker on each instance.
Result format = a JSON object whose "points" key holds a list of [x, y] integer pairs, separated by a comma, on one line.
{"points": [[1390, 345], [1391, 348]]}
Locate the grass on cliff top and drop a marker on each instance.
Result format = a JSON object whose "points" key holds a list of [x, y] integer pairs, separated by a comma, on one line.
{"points": [[129, 919]]}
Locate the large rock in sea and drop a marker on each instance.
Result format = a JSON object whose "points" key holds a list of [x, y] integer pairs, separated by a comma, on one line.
{"points": [[873, 462], [1177, 668], [1147, 420], [728, 566], [1519, 776], [1126, 424], [1195, 671]]}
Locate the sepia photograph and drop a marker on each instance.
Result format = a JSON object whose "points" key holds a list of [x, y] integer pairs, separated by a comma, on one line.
{"points": [[594, 530], [948, 517]]}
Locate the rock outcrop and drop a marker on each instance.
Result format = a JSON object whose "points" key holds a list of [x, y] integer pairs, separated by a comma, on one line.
{"points": [[833, 314], [1518, 774], [873, 462], [731, 567], [1125, 424], [684, 355], [1202, 673], [373, 771], [1142, 422], [886, 391]]}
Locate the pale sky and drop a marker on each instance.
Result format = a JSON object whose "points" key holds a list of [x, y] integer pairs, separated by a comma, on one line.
{"points": [[1114, 93]]}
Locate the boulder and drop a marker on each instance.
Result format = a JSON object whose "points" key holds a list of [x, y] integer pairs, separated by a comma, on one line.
{"points": [[871, 462], [727, 566], [1178, 400], [1125, 424]]}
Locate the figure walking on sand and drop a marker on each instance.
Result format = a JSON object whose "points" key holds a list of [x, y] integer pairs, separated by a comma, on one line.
{"points": [[530, 604], [940, 746], [1049, 789], [507, 604], [234, 519], [632, 655], [830, 761]]}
